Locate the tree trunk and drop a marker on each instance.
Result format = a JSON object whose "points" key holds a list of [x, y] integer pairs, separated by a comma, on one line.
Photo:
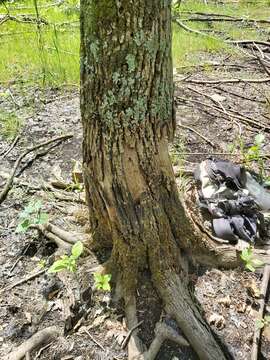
{"points": [[128, 119]]}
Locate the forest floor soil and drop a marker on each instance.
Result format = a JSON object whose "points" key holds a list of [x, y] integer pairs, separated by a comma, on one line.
{"points": [[220, 114]]}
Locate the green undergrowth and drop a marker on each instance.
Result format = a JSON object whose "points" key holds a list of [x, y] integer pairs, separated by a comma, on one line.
{"points": [[47, 53], [188, 47]]}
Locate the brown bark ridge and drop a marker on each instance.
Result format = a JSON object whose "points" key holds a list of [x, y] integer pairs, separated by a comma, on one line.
{"points": [[127, 115]]}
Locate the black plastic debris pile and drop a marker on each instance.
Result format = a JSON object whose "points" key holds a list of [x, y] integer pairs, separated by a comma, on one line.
{"points": [[237, 203]]}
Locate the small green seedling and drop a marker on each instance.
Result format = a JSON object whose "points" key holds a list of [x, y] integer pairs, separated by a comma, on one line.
{"points": [[31, 215], [102, 282], [261, 323], [255, 153], [68, 262], [250, 262]]}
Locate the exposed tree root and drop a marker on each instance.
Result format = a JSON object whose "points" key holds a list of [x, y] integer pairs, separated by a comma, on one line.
{"points": [[135, 345], [63, 239], [36, 340], [163, 332], [181, 305]]}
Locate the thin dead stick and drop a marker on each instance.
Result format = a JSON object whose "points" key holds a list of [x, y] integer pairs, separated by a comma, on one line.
{"points": [[15, 264], [36, 340], [239, 95], [224, 81], [7, 151], [257, 332], [232, 42], [93, 339], [22, 281], [230, 113], [187, 28], [42, 349], [246, 42], [225, 18], [9, 182], [126, 340], [199, 134]]}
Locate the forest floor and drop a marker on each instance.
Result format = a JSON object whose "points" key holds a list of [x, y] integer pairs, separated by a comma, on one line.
{"points": [[229, 298], [218, 119]]}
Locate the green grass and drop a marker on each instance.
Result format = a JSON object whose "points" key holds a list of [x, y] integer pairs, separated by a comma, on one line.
{"points": [[46, 54], [49, 54], [10, 125]]}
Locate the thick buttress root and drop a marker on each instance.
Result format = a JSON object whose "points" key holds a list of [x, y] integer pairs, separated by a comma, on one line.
{"points": [[181, 307]]}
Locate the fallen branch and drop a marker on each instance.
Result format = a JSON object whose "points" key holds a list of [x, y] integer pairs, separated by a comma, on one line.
{"points": [[226, 18], [25, 19], [9, 182], [246, 42], [225, 81], [257, 332], [36, 340]]}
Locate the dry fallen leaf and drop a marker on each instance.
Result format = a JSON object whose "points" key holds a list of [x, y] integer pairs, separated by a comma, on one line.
{"points": [[252, 288], [217, 320], [225, 301]]}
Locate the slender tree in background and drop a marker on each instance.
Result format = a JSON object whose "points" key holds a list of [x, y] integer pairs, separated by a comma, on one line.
{"points": [[128, 119]]}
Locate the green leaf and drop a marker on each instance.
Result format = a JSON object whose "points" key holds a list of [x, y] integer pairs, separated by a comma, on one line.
{"points": [[23, 226], [57, 266], [246, 254], [250, 267], [107, 277], [98, 277], [77, 249], [267, 318], [106, 287], [259, 324]]}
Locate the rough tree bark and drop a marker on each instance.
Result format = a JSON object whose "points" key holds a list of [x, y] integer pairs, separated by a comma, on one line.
{"points": [[128, 119]]}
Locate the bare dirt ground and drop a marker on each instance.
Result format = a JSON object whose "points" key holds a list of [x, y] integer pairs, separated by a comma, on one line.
{"points": [[209, 117]]}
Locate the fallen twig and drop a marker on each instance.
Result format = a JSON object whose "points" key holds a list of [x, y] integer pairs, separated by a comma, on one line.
{"points": [[22, 281], [92, 338], [230, 113], [257, 332], [22, 18], [126, 340], [226, 18], [224, 81], [10, 147], [239, 95], [37, 339], [42, 349], [9, 182], [199, 134]]}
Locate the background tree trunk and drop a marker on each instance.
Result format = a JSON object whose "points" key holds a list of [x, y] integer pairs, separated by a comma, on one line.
{"points": [[127, 114]]}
